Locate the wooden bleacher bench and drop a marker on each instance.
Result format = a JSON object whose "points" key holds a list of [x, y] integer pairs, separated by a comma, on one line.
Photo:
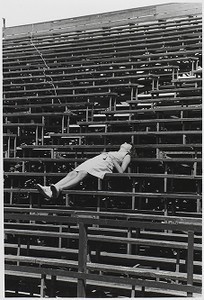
{"points": [[140, 272], [16, 125], [127, 64], [114, 194], [115, 65], [76, 78], [153, 110], [166, 100], [129, 133], [122, 60], [93, 237], [8, 135], [76, 88], [136, 194], [183, 237], [8, 64], [168, 248], [166, 36], [169, 70], [186, 80], [113, 147], [128, 78], [54, 105], [177, 90], [165, 54], [127, 259], [145, 121], [122, 283], [106, 31], [102, 214], [28, 114], [100, 94], [114, 175], [105, 38], [78, 74]]}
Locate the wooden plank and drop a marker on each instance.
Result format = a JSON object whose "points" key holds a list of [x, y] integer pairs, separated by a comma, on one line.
{"points": [[73, 220], [148, 273], [152, 110], [107, 31], [130, 133], [87, 95], [108, 175], [165, 99], [169, 67], [116, 194], [177, 90], [22, 125], [114, 215], [104, 278], [122, 47], [82, 259], [190, 259], [178, 9], [142, 146], [75, 88], [108, 239], [144, 260]]}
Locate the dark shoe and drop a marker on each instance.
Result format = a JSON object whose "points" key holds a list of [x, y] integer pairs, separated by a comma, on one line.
{"points": [[55, 191]]}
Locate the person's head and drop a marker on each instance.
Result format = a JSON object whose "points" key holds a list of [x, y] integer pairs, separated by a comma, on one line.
{"points": [[129, 147], [126, 147]]}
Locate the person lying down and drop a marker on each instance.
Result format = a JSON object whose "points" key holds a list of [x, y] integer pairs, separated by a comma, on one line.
{"points": [[97, 166]]}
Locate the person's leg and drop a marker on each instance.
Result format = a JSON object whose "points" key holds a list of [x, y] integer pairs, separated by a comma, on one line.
{"points": [[71, 175], [46, 190], [67, 182]]}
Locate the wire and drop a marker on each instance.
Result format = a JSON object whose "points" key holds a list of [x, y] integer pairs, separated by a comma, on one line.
{"points": [[46, 65]]}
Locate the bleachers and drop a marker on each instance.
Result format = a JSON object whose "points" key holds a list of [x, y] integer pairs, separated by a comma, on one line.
{"points": [[71, 92]]}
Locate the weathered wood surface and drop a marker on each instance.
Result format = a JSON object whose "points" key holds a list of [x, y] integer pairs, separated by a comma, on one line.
{"points": [[117, 18]]}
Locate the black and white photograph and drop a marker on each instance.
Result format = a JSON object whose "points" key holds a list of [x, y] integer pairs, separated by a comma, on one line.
{"points": [[101, 157]]}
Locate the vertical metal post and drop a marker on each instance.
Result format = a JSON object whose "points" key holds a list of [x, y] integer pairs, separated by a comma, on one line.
{"points": [[129, 246], [14, 146], [4, 23], [82, 259], [198, 204], [43, 122], [133, 197], [190, 260], [137, 246], [4, 26], [18, 250], [9, 146], [165, 190], [60, 238], [87, 113], [53, 286], [98, 198], [42, 285], [177, 262], [63, 123], [133, 292], [36, 134]]}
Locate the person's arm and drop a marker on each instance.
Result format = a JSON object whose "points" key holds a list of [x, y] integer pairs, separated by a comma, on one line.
{"points": [[125, 163]]}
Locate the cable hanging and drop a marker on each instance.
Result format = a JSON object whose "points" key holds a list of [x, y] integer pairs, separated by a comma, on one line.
{"points": [[46, 65]]}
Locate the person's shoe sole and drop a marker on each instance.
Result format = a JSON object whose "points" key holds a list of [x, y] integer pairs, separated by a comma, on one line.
{"points": [[41, 191], [55, 192]]}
